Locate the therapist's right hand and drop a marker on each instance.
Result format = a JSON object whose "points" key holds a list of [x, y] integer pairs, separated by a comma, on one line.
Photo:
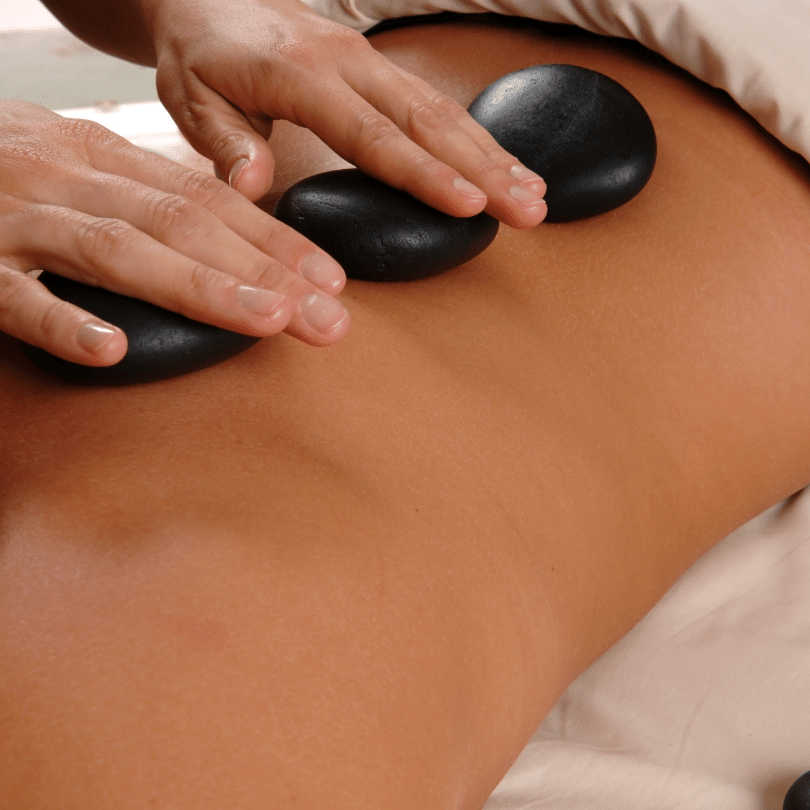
{"points": [[79, 200]]}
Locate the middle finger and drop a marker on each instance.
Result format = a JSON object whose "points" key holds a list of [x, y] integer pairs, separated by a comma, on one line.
{"points": [[191, 229]]}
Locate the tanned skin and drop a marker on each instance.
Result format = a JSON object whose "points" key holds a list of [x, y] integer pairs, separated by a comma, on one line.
{"points": [[360, 577]]}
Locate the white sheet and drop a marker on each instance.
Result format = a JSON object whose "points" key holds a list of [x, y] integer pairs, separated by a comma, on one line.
{"points": [[705, 705], [756, 50]]}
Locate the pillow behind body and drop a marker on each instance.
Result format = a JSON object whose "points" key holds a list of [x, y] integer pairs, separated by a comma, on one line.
{"points": [[758, 51]]}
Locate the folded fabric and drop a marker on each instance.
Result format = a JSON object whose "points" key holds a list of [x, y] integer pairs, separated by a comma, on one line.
{"points": [[703, 705], [757, 50]]}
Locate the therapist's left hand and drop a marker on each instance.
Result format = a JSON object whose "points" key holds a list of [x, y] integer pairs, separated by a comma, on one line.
{"points": [[225, 70]]}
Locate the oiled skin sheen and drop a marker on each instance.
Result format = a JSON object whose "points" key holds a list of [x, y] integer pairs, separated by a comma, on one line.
{"points": [[359, 577]]}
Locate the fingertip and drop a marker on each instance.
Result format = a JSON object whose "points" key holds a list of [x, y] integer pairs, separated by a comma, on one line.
{"points": [[319, 321], [471, 198], [522, 217], [252, 174], [101, 343], [458, 198]]}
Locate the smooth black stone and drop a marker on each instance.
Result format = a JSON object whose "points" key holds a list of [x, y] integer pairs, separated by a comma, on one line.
{"points": [[798, 797], [582, 132], [377, 232], [162, 344]]}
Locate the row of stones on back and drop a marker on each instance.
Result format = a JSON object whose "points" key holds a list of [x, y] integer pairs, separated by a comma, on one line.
{"points": [[586, 135], [583, 133]]}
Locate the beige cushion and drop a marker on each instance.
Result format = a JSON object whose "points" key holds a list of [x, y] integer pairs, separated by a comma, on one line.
{"points": [[756, 50]]}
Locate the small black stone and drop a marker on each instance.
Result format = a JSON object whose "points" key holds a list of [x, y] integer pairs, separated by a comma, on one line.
{"points": [[162, 344], [377, 232], [583, 133], [798, 797]]}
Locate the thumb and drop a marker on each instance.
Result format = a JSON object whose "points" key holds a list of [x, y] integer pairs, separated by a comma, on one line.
{"points": [[223, 134]]}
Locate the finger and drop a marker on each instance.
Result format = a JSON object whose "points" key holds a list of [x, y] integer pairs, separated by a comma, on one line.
{"points": [[374, 143], [28, 311], [194, 231], [113, 254], [244, 219], [444, 129], [482, 138], [220, 132]]}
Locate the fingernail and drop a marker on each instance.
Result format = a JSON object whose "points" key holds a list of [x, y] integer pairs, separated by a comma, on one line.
{"points": [[322, 312], [258, 300], [93, 336], [523, 195], [467, 188], [523, 174], [236, 170], [322, 271]]}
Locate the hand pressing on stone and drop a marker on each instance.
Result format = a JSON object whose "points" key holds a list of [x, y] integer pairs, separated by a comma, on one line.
{"points": [[225, 70], [81, 201]]}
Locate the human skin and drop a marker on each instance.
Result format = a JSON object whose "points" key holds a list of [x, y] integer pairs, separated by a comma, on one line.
{"points": [[360, 577], [79, 200], [224, 71]]}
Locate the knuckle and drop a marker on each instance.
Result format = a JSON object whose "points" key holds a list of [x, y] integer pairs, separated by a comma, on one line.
{"points": [[12, 283], [347, 38], [267, 242], [374, 130], [424, 163], [49, 319], [487, 166], [448, 106], [424, 115], [89, 132], [304, 54], [273, 235], [494, 152], [194, 286], [170, 214], [98, 240], [43, 320], [227, 144], [206, 190], [331, 41]]}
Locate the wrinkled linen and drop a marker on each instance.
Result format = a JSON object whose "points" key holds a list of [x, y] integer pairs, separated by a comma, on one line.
{"points": [[705, 705], [756, 50]]}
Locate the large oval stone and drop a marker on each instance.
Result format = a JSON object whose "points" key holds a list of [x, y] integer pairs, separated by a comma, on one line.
{"points": [[162, 344], [379, 233], [587, 136], [798, 797]]}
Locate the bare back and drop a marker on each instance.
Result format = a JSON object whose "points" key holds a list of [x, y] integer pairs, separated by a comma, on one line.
{"points": [[421, 535]]}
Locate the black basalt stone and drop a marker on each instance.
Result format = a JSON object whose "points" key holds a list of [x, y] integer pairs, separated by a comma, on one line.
{"points": [[587, 136], [162, 344], [798, 797], [379, 233]]}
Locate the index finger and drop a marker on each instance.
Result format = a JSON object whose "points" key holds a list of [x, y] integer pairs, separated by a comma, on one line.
{"points": [[419, 143], [239, 214]]}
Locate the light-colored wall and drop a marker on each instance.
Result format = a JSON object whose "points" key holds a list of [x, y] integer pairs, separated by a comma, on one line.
{"points": [[25, 15], [44, 63]]}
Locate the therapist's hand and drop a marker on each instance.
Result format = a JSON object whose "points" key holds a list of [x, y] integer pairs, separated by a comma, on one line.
{"points": [[226, 69], [81, 201]]}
